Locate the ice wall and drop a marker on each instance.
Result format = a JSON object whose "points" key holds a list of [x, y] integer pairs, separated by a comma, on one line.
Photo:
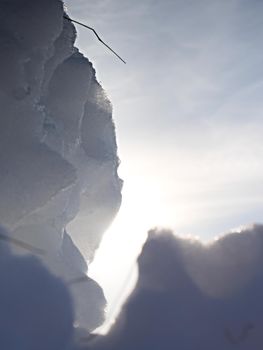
{"points": [[59, 187]]}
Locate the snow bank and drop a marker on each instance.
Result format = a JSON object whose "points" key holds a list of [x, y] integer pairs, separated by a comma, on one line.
{"points": [[36, 308], [190, 296], [59, 187]]}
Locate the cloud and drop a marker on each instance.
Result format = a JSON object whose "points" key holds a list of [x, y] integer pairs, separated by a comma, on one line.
{"points": [[193, 296]]}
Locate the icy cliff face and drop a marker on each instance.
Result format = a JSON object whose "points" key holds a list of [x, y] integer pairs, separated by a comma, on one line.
{"points": [[59, 187]]}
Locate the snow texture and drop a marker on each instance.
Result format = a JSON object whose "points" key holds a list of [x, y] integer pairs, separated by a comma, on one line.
{"points": [[59, 188], [191, 296], [36, 308]]}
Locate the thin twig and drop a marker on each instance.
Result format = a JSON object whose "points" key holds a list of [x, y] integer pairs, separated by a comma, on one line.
{"points": [[21, 244], [98, 37]]}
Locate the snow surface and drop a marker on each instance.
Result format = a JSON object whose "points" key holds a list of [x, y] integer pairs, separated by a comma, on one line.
{"points": [[36, 307], [59, 188], [192, 296]]}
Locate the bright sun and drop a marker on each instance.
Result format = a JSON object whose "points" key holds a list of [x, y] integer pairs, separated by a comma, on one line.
{"points": [[114, 266]]}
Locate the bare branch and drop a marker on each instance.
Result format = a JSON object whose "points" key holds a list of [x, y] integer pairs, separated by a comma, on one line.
{"points": [[98, 37], [21, 244]]}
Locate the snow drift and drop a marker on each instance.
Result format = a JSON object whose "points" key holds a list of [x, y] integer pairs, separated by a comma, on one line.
{"points": [[191, 296], [36, 308], [59, 187]]}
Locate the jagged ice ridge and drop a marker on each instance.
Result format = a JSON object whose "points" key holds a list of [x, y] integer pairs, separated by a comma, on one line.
{"points": [[59, 187]]}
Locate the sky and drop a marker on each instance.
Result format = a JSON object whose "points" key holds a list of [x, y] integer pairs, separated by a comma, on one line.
{"points": [[188, 113]]}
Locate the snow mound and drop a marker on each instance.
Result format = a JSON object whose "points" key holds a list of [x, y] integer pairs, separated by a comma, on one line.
{"points": [[192, 296], [59, 188]]}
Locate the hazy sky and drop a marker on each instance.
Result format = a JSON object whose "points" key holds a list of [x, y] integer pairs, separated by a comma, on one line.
{"points": [[188, 113]]}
